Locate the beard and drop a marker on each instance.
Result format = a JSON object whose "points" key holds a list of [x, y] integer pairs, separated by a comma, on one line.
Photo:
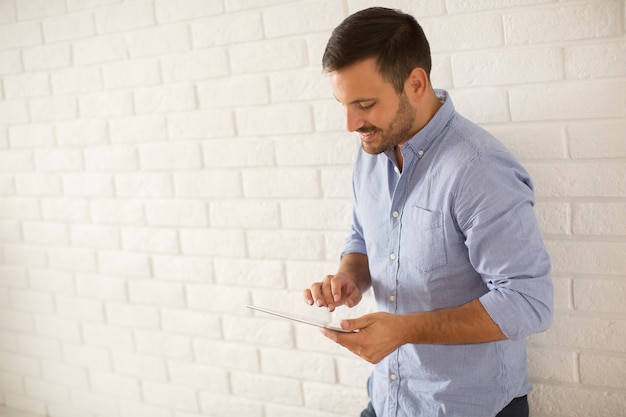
{"points": [[399, 129]]}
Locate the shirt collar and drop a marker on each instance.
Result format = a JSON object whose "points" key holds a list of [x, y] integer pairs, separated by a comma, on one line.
{"points": [[427, 135]]}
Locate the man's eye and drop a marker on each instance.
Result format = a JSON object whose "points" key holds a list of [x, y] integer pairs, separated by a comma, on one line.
{"points": [[366, 106]]}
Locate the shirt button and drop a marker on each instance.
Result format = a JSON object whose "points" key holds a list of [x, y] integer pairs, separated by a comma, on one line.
{"points": [[395, 214], [420, 153], [394, 377], [392, 256], [392, 298], [396, 169]]}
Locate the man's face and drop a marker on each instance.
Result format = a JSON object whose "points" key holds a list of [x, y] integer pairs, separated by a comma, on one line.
{"points": [[382, 117]]}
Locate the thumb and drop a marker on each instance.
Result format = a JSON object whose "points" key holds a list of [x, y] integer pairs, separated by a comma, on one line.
{"points": [[353, 324]]}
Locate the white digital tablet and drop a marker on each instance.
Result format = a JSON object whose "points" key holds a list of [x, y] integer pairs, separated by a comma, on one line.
{"points": [[300, 319]]}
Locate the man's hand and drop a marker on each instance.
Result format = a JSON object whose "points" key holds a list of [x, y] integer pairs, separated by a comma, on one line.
{"points": [[378, 335], [334, 291]]}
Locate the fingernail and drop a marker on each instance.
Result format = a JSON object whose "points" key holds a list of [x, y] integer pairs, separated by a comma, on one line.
{"points": [[319, 302], [336, 298]]}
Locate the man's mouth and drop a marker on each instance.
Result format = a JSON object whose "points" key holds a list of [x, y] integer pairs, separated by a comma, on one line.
{"points": [[367, 135]]}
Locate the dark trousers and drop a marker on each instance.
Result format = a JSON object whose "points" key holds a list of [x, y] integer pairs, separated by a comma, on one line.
{"points": [[516, 408]]}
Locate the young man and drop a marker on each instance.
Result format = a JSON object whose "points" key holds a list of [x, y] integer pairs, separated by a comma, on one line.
{"points": [[443, 231]]}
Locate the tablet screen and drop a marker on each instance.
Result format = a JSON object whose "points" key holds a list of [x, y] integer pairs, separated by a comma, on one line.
{"points": [[301, 319]]}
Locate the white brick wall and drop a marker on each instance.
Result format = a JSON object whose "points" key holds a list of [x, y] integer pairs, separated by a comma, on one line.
{"points": [[162, 163]]}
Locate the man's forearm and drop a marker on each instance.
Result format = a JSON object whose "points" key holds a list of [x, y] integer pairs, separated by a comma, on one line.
{"points": [[357, 265]]}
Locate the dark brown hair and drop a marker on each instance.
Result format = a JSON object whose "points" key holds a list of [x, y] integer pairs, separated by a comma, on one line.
{"points": [[394, 38]]}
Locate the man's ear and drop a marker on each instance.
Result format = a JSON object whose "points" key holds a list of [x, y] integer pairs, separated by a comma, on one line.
{"points": [[417, 83]]}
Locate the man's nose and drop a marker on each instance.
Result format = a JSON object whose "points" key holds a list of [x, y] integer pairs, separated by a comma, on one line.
{"points": [[354, 121]]}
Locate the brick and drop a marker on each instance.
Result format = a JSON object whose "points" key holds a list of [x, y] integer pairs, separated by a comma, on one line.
{"points": [[199, 125], [59, 160], [248, 90], [168, 395], [156, 293], [227, 404], [118, 212], [353, 372], [117, 386], [106, 104], [595, 258], [315, 150], [267, 331], [253, 152], [165, 99], [307, 84], [10, 231], [213, 242], [192, 323], [31, 135], [554, 218], [138, 129], [316, 215], [303, 18], [15, 321], [124, 264], [65, 209], [99, 50], [87, 357], [195, 65], [215, 184], [51, 281], [46, 391], [521, 66], [285, 245], [25, 255], [58, 329], [79, 309], [151, 240], [217, 299], [184, 269], [76, 80], [594, 367], [132, 316], [137, 409], [301, 365], [328, 116], [8, 12], [566, 22], [205, 378], [589, 179], [101, 287], [57, 410], [38, 347], [26, 85], [600, 295], [64, 374], [267, 388], [535, 141], [144, 185], [282, 182], [254, 214], [227, 29], [72, 259], [16, 160], [53, 108], [176, 213], [493, 107], [10, 382], [274, 55], [45, 233], [164, 344], [88, 185], [552, 364], [27, 10], [597, 139], [95, 236], [108, 337], [599, 219], [226, 355], [336, 182], [575, 400], [326, 397], [168, 11], [252, 273], [159, 40], [87, 400], [31, 301], [80, 5], [20, 35], [69, 27], [13, 111], [46, 57], [605, 60], [145, 368], [135, 73], [11, 61], [456, 32], [177, 155], [27, 404], [111, 158], [125, 17]]}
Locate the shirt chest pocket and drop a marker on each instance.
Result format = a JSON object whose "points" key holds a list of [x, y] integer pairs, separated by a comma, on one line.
{"points": [[423, 239]]}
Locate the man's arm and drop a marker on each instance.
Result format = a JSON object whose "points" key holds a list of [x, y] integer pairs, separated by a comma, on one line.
{"points": [[379, 334]]}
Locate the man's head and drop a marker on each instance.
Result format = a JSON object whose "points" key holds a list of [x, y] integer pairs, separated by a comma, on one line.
{"points": [[394, 38]]}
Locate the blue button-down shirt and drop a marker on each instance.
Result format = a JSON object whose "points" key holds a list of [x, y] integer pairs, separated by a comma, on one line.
{"points": [[456, 224]]}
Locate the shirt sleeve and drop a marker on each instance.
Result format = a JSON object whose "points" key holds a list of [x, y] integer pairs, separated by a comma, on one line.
{"points": [[494, 208]]}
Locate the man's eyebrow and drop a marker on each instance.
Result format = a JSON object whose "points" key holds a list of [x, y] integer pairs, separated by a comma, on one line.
{"points": [[358, 100]]}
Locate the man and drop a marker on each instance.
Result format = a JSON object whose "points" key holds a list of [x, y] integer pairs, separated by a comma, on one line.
{"points": [[443, 231]]}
